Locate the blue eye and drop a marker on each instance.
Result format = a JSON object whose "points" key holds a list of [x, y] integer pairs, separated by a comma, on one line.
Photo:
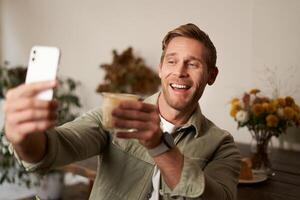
{"points": [[192, 65]]}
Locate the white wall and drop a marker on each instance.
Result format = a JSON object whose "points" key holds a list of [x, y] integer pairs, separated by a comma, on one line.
{"points": [[87, 31], [1, 114], [0, 30], [276, 45]]}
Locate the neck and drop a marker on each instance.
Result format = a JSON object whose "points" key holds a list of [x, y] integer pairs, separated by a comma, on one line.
{"points": [[176, 117]]}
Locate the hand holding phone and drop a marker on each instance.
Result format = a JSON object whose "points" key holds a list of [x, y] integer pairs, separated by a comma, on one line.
{"points": [[43, 64], [29, 110]]}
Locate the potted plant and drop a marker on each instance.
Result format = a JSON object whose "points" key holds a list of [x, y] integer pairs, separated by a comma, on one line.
{"points": [[10, 170], [128, 73], [265, 118]]}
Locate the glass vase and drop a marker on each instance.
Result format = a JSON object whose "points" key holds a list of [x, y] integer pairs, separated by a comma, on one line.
{"points": [[261, 148]]}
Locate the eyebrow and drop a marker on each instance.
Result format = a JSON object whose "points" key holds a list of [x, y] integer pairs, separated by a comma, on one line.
{"points": [[171, 54], [195, 58]]}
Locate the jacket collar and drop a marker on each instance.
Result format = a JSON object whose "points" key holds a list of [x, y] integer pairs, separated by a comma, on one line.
{"points": [[196, 120]]}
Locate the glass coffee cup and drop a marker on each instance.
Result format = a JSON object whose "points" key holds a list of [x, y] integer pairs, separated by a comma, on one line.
{"points": [[110, 102]]}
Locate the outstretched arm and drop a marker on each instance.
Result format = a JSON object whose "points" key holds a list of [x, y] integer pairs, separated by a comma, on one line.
{"points": [[183, 176]]}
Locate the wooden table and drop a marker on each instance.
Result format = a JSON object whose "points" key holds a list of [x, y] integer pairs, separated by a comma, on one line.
{"points": [[285, 185]]}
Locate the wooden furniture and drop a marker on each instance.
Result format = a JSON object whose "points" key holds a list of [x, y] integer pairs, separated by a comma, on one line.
{"points": [[285, 184]]}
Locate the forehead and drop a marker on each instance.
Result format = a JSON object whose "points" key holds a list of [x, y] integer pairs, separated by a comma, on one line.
{"points": [[187, 47]]}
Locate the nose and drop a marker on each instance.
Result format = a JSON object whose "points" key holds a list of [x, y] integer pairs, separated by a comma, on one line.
{"points": [[181, 70]]}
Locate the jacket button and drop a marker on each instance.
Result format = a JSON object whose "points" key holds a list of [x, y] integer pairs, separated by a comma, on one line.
{"points": [[149, 195]]}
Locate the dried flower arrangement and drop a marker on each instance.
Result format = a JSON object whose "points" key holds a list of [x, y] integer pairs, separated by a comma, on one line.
{"points": [[128, 73]]}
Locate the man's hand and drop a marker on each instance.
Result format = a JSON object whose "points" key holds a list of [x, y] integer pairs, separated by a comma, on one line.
{"points": [[140, 116], [26, 117], [145, 118]]}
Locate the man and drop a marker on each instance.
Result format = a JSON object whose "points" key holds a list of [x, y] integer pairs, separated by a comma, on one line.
{"points": [[193, 159]]}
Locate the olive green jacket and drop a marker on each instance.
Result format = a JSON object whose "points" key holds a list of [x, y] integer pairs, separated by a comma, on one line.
{"points": [[210, 170]]}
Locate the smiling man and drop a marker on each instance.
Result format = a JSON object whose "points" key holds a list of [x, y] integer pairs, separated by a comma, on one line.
{"points": [[175, 152]]}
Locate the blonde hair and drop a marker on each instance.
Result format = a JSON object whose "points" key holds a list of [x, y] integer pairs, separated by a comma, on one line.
{"points": [[194, 32]]}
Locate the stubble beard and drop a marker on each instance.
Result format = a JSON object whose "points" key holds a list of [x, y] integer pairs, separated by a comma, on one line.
{"points": [[176, 104]]}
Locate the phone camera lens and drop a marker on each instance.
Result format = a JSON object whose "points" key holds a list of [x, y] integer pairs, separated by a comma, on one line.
{"points": [[33, 59], [34, 51]]}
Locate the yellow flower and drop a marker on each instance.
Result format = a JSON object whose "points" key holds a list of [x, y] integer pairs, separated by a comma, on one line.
{"points": [[280, 113], [273, 108], [296, 108], [281, 102], [254, 91], [236, 106], [289, 101], [234, 109], [268, 107], [233, 113], [275, 103], [289, 113], [257, 109], [272, 120], [234, 100]]}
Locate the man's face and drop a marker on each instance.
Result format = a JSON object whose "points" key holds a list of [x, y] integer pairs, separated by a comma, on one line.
{"points": [[183, 72]]}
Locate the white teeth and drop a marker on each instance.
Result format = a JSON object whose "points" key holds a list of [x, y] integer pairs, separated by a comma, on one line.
{"points": [[174, 85]]}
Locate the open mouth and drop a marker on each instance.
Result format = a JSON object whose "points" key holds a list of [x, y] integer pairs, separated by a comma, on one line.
{"points": [[181, 87]]}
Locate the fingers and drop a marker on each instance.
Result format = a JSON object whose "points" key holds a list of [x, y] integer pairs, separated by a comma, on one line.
{"points": [[22, 131], [25, 115], [22, 104], [142, 117], [33, 127], [132, 124], [131, 114], [140, 135], [138, 105], [146, 138], [137, 115], [137, 111], [145, 131], [30, 89], [31, 115]]}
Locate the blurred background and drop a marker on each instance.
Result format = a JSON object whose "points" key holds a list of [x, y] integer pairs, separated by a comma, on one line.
{"points": [[250, 36], [257, 42]]}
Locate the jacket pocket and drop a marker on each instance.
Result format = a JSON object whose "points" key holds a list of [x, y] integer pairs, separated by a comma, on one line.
{"points": [[133, 148]]}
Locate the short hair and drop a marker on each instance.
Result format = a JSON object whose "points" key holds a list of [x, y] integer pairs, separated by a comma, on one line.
{"points": [[194, 32]]}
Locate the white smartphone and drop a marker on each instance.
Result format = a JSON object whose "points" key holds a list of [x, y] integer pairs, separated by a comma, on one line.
{"points": [[43, 64]]}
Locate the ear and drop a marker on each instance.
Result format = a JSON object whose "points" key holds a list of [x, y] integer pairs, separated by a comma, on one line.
{"points": [[212, 75]]}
